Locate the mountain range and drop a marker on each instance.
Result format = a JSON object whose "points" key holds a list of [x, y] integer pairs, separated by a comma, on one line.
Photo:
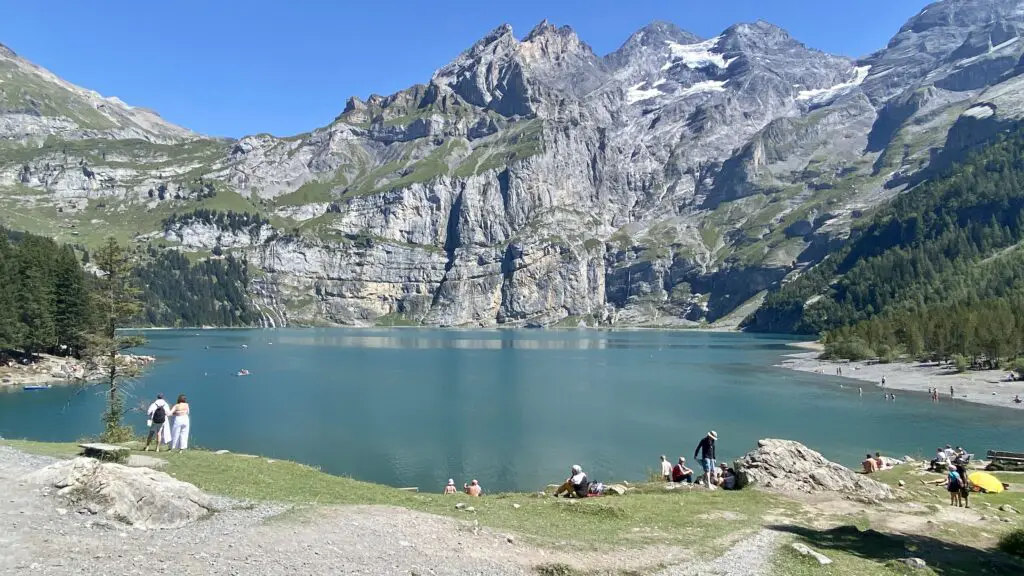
{"points": [[531, 181]]}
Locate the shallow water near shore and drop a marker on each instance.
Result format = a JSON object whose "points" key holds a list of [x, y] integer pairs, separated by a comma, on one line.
{"points": [[411, 407]]}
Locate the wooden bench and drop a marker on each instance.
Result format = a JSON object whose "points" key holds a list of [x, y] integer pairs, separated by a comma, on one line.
{"points": [[105, 452], [1006, 461]]}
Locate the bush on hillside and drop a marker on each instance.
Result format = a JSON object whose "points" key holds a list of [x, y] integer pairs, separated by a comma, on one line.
{"points": [[1013, 543]]}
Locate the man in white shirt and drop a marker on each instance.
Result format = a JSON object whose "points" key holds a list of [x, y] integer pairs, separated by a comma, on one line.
{"points": [[666, 469], [158, 422]]}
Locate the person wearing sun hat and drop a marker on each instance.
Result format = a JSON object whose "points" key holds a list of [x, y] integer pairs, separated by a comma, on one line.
{"points": [[705, 452], [450, 488]]}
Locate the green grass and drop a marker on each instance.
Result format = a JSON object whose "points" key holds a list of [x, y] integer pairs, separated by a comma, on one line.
{"points": [[310, 193], [646, 516], [707, 523]]}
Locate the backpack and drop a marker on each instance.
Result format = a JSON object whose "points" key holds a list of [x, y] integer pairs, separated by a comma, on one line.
{"points": [[159, 415]]}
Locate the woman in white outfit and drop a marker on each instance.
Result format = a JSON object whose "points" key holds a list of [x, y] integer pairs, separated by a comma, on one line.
{"points": [[181, 424]]}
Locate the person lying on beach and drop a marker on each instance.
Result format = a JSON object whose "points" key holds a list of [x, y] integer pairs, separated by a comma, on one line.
{"points": [[680, 473], [473, 488], [576, 485], [869, 464]]}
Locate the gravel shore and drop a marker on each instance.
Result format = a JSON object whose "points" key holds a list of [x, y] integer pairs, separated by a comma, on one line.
{"points": [[982, 387]]}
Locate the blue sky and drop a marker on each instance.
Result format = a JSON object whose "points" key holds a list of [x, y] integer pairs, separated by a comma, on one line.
{"points": [[233, 67]]}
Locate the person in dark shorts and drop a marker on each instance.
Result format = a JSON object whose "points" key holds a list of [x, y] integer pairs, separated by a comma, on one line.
{"points": [[156, 416], [705, 454]]}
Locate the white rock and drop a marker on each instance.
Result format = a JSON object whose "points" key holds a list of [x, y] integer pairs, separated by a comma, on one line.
{"points": [[805, 550], [915, 563]]}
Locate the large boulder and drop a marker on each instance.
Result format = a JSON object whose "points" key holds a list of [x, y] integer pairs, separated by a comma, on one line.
{"points": [[140, 497], [792, 467]]}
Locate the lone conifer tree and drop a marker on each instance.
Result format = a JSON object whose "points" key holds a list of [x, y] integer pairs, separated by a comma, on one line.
{"points": [[116, 301]]}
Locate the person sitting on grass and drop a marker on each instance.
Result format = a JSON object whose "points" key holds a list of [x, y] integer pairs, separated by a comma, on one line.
{"points": [[879, 462], [726, 477], [680, 473], [473, 488], [576, 485], [450, 487], [939, 463], [870, 465]]}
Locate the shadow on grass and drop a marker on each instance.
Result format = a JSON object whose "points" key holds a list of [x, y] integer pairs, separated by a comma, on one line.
{"points": [[944, 558]]}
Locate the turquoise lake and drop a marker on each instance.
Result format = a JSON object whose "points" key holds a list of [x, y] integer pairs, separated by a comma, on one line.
{"points": [[514, 409]]}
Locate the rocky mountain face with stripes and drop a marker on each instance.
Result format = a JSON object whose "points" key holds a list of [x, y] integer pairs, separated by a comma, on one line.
{"points": [[531, 181]]}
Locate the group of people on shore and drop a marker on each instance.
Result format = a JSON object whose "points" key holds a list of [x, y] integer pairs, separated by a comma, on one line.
{"points": [[578, 485], [954, 463], [168, 424]]}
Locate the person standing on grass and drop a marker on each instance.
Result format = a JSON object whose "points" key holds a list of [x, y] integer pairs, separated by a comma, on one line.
{"points": [[953, 485], [666, 469], [180, 428], [158, 423], [706, 453]]}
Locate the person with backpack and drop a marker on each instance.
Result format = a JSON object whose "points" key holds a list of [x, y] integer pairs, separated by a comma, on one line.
{"points": [[158, 423], [954, 484]]}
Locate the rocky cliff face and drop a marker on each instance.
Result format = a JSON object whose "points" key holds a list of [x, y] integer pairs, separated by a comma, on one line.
{"points": [[533, 181]]}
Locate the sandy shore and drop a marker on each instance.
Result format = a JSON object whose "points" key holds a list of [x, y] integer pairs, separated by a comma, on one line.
{"points": [[982, 387], [54, 371]]}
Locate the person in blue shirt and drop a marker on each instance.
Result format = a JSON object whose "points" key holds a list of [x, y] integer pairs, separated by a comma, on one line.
{"points": [[954, 483]]}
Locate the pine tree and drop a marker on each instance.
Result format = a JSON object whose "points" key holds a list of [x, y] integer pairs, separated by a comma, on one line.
{"points": [[10, 328], [116, 302], [71, 305], [35, 297]]}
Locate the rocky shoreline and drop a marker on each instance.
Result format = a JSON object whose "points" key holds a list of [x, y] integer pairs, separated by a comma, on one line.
{"points": [[988, 387], [50, 370]]}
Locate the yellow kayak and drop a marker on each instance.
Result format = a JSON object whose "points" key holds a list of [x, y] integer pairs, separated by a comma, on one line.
{"points": [[986, 482]]}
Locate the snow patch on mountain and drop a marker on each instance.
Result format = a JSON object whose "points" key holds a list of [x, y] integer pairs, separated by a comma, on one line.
{"points": [[637, 93], [705, 86], [697, 55], [818, 94]]}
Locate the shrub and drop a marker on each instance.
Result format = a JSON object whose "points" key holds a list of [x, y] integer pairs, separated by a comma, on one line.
{"points": [[1013, 543], [852, 349], [961, 362]]}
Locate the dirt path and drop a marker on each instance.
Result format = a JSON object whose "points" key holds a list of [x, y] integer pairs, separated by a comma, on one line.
{"points": [[38, 537]]}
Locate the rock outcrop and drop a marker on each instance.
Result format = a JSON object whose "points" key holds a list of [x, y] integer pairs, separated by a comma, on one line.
{"points": [[790, 466], [532, 181], [139, 497]]}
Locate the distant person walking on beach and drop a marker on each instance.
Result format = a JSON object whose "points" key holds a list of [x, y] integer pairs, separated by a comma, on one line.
{"points": [[181, 425], [450, 487], [158, 423], [706, 453], [666, 469], [951, 393], [883, 381]]}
